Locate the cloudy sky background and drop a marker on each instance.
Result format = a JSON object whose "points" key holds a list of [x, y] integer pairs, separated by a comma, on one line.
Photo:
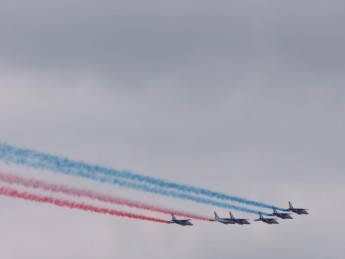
{"points": [[247, 98]]}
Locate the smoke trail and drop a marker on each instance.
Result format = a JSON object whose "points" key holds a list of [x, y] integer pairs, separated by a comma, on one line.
{"points": [[30, 158], [37, 184], [170, 193], [9, 192]]}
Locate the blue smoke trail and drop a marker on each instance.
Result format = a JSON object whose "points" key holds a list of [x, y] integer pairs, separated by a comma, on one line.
{"points": [[26, 157]]}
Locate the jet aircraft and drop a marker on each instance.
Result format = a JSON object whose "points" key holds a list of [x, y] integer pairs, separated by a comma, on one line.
{"points": [[280, 215], [298, 211], [238, 221], [222, 220], [266, 220], [182, 222]]}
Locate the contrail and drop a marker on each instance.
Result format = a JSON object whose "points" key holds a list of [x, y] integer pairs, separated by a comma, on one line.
{"points": [[167, 193], [39, 160], [57, 188], [9, 192]]}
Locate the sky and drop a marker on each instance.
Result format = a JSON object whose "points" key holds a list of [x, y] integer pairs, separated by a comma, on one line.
{"points": [[242, 97]]}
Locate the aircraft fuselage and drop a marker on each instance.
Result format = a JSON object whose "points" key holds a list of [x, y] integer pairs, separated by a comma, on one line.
{"points": [[299, 211]]}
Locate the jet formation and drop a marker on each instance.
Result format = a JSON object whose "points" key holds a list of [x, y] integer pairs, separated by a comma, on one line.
{"points": [[239, 221]]}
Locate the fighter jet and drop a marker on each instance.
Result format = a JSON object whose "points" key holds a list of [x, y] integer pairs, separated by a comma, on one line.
{"points": [[238, 221], [222, 220], [297, 210], [266, 220], [280, 215], [182, 222]]}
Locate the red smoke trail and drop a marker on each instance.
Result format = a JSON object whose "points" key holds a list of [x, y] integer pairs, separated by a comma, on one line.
{"points": [[9, 192], [37, 184]]}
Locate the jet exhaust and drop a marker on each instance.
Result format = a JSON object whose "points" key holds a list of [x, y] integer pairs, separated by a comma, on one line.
{"points": [[57, 188], [39, 160], [9, 192]]}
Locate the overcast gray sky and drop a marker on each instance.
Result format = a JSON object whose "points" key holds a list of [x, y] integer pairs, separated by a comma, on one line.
{"points": [[244, 97]]}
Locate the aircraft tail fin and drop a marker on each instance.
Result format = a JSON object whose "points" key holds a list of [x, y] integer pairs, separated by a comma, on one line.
{"points": [[290, 205], [173, 217], [231, 216], [260, 215], [274, 209], [216, 215]]}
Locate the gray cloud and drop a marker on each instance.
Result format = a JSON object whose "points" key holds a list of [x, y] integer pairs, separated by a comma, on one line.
{"points": [[158, 39], [246, 98]]}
